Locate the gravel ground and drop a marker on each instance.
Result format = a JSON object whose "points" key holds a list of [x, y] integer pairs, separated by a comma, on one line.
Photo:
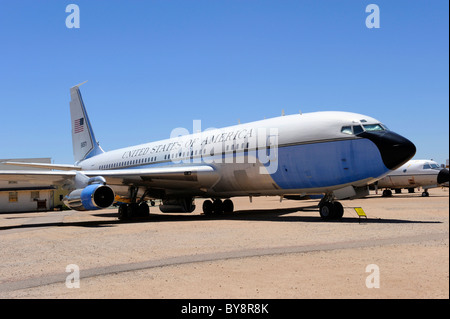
{"points": [[266, 249]]}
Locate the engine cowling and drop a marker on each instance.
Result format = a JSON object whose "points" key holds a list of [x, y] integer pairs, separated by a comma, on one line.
{"points": [[92, 197], [177, 205]]}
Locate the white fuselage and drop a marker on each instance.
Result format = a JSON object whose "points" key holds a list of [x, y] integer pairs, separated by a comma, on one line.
{"points": [[414, 173], [301, 153]]}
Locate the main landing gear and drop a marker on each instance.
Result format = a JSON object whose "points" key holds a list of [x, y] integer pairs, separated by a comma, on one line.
{"points": [[218, 206], [136, 208], [330, 209], [128, 211]]}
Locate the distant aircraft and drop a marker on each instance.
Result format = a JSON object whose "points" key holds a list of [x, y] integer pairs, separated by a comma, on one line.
{"points": [[337, 154], [414, 173]]}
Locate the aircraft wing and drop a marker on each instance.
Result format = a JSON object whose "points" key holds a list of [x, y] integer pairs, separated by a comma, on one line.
{"points": [[173, 177], [37, 177], [169, 177]]}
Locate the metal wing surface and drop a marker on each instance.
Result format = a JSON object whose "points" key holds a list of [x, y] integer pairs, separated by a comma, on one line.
{"points": [[172, 177]]}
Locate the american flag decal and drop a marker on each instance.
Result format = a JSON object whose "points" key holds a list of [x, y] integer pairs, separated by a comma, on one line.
{"points": [[79, 125]]}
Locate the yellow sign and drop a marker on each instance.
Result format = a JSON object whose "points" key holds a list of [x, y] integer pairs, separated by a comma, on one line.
{"points": [[360, 212]]}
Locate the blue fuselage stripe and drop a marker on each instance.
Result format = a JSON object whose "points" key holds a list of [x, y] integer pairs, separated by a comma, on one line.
{"points": [[327, 164]]}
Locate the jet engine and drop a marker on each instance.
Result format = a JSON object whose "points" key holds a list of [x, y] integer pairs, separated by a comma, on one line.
{"points": [[92, 197], [177, 205]]}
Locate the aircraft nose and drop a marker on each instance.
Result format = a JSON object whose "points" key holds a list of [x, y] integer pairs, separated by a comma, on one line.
{"points": [[443, 176], [395, 150]]}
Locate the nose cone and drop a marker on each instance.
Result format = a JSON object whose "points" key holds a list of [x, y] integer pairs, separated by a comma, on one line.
{"points": [[443, 176], [395, 150]]}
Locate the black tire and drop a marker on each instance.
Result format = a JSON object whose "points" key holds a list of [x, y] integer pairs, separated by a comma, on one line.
{"points": [[326, 211], [123, 212], [338, 210], [387, 193], [143, 210], [228, 206], [207, 207]]}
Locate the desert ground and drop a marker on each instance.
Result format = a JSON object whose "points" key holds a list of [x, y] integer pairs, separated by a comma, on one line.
{"points": [[265, 249]]}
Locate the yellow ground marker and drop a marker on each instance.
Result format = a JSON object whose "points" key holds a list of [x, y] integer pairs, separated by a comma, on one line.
{"points": [[360, 212]]}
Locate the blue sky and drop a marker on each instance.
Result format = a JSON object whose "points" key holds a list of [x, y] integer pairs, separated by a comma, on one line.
{"points": [[153, 66]]}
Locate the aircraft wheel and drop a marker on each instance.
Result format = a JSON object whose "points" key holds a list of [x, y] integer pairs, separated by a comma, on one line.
{"points": [[338, 210], [228, 206], [143, 210], [425, 194], [123, 212], [207, 207], [387, 193], [326, 211]]}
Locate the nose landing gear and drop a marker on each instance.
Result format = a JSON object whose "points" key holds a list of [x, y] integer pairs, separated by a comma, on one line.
{"points": [[330, 209]]}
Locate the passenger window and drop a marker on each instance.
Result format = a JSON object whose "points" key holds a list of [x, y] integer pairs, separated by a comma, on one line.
{"points": [[346, 130], [357, 129]]}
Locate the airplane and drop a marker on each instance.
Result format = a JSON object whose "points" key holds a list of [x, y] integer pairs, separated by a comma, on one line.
{"points": [[337, 154], [414, 173]]}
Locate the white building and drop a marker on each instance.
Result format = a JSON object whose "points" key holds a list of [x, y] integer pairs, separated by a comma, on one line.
{"points": [[21, 196]]}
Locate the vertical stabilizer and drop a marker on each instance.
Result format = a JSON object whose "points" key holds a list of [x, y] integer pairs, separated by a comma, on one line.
{"points": [[83, 140]]}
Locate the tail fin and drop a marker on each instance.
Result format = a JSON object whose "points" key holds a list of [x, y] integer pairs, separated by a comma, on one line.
{"points": [[83, 140]]}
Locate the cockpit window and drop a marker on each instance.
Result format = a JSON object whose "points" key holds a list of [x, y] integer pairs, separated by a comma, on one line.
{"points": [[347, 130], [431, 166], [357, 129], [373, 127]]}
